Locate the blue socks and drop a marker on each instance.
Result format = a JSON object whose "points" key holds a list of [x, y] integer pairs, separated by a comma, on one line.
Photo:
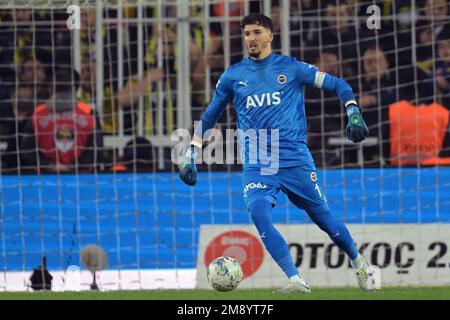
{"points": [[337, 231], [274, 242], [277, 247]]}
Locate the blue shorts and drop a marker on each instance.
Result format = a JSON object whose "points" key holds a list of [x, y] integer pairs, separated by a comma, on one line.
{"points": [[300, 184]]}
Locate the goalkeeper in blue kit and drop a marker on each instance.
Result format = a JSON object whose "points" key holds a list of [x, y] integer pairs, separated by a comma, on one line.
{"points": [[266, 90]]}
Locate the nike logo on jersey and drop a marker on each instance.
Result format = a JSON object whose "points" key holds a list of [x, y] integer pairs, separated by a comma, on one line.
{"points": [[243, 83], [265, 99]]}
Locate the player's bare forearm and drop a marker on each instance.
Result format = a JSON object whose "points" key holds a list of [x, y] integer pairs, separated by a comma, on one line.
{"points": [[197, 141]]}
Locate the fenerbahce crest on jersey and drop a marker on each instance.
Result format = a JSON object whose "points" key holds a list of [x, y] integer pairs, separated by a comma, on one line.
{"points": [[63, 136]]}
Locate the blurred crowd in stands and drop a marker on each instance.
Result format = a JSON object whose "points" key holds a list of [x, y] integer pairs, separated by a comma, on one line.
{"points": [[49, 120]]}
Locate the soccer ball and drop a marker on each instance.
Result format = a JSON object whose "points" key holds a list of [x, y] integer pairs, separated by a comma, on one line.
{"points": [[224, 274]]}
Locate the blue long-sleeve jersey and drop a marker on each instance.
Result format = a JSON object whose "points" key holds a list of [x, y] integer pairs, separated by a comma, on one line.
{"points": [[268, 98]]}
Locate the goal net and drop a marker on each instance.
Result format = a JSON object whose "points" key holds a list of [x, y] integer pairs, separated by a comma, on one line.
{"points": [[99, 99]]}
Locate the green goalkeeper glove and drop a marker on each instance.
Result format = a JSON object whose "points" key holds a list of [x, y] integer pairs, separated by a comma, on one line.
{"points": [[357, 129], [188, 169]]}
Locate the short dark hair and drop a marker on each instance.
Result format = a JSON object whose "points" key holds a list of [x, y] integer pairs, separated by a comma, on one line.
{"points": [[259, 19], [444, 34], [66, 80], [139, 151]]}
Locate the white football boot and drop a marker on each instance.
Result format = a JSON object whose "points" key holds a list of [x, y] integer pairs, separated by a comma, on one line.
{"points": [[365, 276], [297, 284]]}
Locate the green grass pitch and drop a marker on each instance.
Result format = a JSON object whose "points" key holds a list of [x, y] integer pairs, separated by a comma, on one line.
{"points": [[392, 293]]}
